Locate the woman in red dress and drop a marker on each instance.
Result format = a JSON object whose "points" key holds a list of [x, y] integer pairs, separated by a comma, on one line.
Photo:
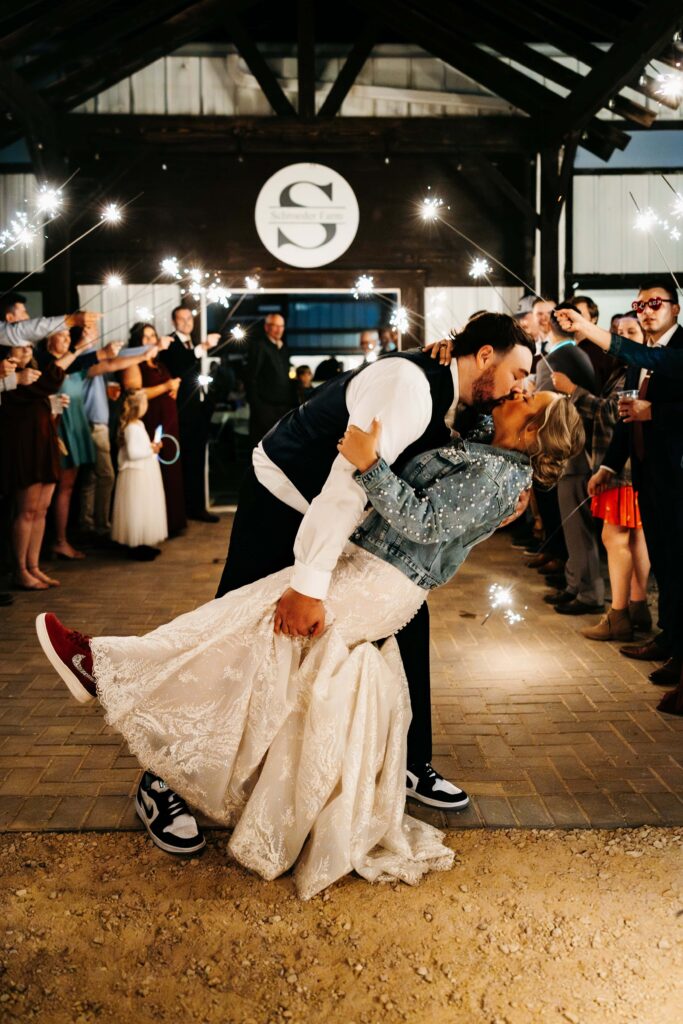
{"points": [[29, 461], [161, 391]]}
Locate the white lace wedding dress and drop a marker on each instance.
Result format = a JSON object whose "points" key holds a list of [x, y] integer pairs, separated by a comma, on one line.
{"points": [[300, 744]]}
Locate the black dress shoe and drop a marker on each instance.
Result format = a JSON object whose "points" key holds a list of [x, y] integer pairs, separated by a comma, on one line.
{"points": [[561, 597], [576, 607], [204, 517], [653, 650], [667, 674]]}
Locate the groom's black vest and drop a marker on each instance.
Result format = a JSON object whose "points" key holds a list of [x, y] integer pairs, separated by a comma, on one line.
{"points": [[303, 444]]}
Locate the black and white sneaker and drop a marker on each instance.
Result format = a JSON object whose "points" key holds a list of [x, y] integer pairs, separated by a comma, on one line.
{"points": [[426, 785], [167, 818]]}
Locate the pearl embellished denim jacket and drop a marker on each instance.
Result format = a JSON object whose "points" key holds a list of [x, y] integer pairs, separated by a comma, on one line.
{"points": [[448, 500]]}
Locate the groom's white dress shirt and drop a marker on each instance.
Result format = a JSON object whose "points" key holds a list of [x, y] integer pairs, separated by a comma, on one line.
{"points": [[397, 393]]}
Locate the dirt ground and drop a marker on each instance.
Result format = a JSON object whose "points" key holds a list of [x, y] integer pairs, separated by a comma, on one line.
{"points": [[530, 926]]}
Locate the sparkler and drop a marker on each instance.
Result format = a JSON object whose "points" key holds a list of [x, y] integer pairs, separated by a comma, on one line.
{"points": [[430, 208], [19, 232], [144, 313], [49, 200], [399, 319], [670, 86], [111, 214], [461, 234], [645, 221], [252, 283], [170, 266], [114, 281], [238, 332], [501, 597], [482, 268], [363, 286]]}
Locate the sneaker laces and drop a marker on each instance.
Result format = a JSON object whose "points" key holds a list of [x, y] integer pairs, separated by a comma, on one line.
{"points": [[182, 823]]}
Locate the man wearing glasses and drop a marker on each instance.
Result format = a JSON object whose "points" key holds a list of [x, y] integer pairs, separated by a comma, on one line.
{"points": [[653, 440]]}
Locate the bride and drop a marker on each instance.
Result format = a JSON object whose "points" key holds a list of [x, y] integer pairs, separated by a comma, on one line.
{"points": [[300, 743]]}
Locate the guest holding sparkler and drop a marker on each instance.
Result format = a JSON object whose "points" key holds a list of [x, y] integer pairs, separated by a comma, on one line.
{"points": [[650, 433], [17, 327], [194, 407], [139, 514], [584, 590], [152, 377], [622, 531]]}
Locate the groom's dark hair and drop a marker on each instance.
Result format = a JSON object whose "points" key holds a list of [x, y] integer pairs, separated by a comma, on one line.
{"points": [[498, 330]]}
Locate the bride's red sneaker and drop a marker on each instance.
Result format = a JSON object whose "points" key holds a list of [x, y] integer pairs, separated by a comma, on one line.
{"points": [[69, 654]]}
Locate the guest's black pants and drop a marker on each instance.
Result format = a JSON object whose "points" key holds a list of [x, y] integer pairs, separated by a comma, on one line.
{"points": [[194, 434], [262, 542], [660, 499]]}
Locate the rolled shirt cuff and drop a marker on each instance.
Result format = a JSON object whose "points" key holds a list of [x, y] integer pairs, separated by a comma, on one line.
{"points": [[309, 581]]}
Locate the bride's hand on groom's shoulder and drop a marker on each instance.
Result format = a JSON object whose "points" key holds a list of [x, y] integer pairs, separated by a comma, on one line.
{"points": [[441, 350], [360, 447], [299, 615]]}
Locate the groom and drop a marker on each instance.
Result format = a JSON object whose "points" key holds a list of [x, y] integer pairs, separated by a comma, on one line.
{"points": [[299, 503]]}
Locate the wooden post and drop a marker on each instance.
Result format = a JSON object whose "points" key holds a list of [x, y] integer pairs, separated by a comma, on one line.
{"points": [[556, 170]]}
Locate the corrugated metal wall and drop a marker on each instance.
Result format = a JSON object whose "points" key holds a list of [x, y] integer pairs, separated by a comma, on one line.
{"points": [[17, 195], [450, 308], [604, 238], [129, 303]]}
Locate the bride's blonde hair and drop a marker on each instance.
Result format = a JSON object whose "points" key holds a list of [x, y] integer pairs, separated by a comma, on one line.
{"points": [[130, 410], [559, 437]]}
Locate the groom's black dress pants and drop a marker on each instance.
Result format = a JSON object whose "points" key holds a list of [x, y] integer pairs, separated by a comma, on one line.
{"points": [[261, 543]]}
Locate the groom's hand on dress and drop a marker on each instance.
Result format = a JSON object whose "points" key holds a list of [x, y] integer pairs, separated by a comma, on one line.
{"points": [[298, 615]]}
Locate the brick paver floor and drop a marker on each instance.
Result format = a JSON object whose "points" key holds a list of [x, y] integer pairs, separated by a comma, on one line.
{"points": [[542, 727]]}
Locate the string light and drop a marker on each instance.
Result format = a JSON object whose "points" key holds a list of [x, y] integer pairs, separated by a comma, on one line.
{"points": [[363, 286], [480, 267]]}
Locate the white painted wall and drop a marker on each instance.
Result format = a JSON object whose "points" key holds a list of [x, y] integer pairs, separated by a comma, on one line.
{"points": [[17, 194], [604, 238], [450, 308], [122, 306]]}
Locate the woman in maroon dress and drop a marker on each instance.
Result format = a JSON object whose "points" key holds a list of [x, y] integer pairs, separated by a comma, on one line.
{"points": [[29, 461], [161, 391]]}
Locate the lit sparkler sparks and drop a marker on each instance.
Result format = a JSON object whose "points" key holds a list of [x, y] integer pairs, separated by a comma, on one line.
{"points": [[399, 319], [252, 283], [114, 281], [170, 266], [203, 379], [19, 232], [645, 220], [501, 598], [217, 293], [49, 200], [670, 86], [363, 286], [112, 213], [144, 313], [480, 268], [430, 207], [238, 333]]}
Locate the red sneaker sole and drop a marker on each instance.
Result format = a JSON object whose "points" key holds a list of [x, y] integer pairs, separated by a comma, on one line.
{"points": [[63, 671]]}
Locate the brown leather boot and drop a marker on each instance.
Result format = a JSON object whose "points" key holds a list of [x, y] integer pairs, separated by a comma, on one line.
{"points": [[614, 625], [639, 613]]}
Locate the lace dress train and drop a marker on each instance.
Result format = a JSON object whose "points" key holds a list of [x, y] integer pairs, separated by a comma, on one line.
{"points": [[299, 744]]}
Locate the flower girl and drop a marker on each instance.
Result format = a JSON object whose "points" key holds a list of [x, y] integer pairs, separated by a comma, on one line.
{"points": [[139, 516]]}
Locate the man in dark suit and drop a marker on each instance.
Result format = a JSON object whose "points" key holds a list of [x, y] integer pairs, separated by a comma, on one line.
{"points": [[182, 359], [585, 589], [270, 390], [650, 433]]}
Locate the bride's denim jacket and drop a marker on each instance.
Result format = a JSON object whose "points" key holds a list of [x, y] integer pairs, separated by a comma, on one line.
{"points": [[446, 501]]}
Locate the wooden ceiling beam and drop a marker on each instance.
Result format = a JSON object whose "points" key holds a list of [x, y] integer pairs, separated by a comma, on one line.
{"points": [[256, 62], [128, 56], [88, 133], [359, 53], [641, 41], [76, 52], [305, 58]]}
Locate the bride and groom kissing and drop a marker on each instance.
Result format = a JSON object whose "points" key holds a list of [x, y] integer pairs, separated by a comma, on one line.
{"points": [[295, 706]]}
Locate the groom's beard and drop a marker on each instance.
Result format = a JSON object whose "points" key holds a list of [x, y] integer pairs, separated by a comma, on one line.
{"points": [[482, 392]]}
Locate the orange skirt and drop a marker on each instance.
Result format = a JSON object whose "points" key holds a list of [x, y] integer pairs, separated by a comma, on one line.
{"points": [[619, 507]]}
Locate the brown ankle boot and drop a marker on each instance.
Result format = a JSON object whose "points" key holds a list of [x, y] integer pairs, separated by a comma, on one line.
{"points": [[614, 625], [639, 614]]}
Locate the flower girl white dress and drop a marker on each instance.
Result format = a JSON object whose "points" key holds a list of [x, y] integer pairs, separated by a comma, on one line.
{"points": [[139, 513]]}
